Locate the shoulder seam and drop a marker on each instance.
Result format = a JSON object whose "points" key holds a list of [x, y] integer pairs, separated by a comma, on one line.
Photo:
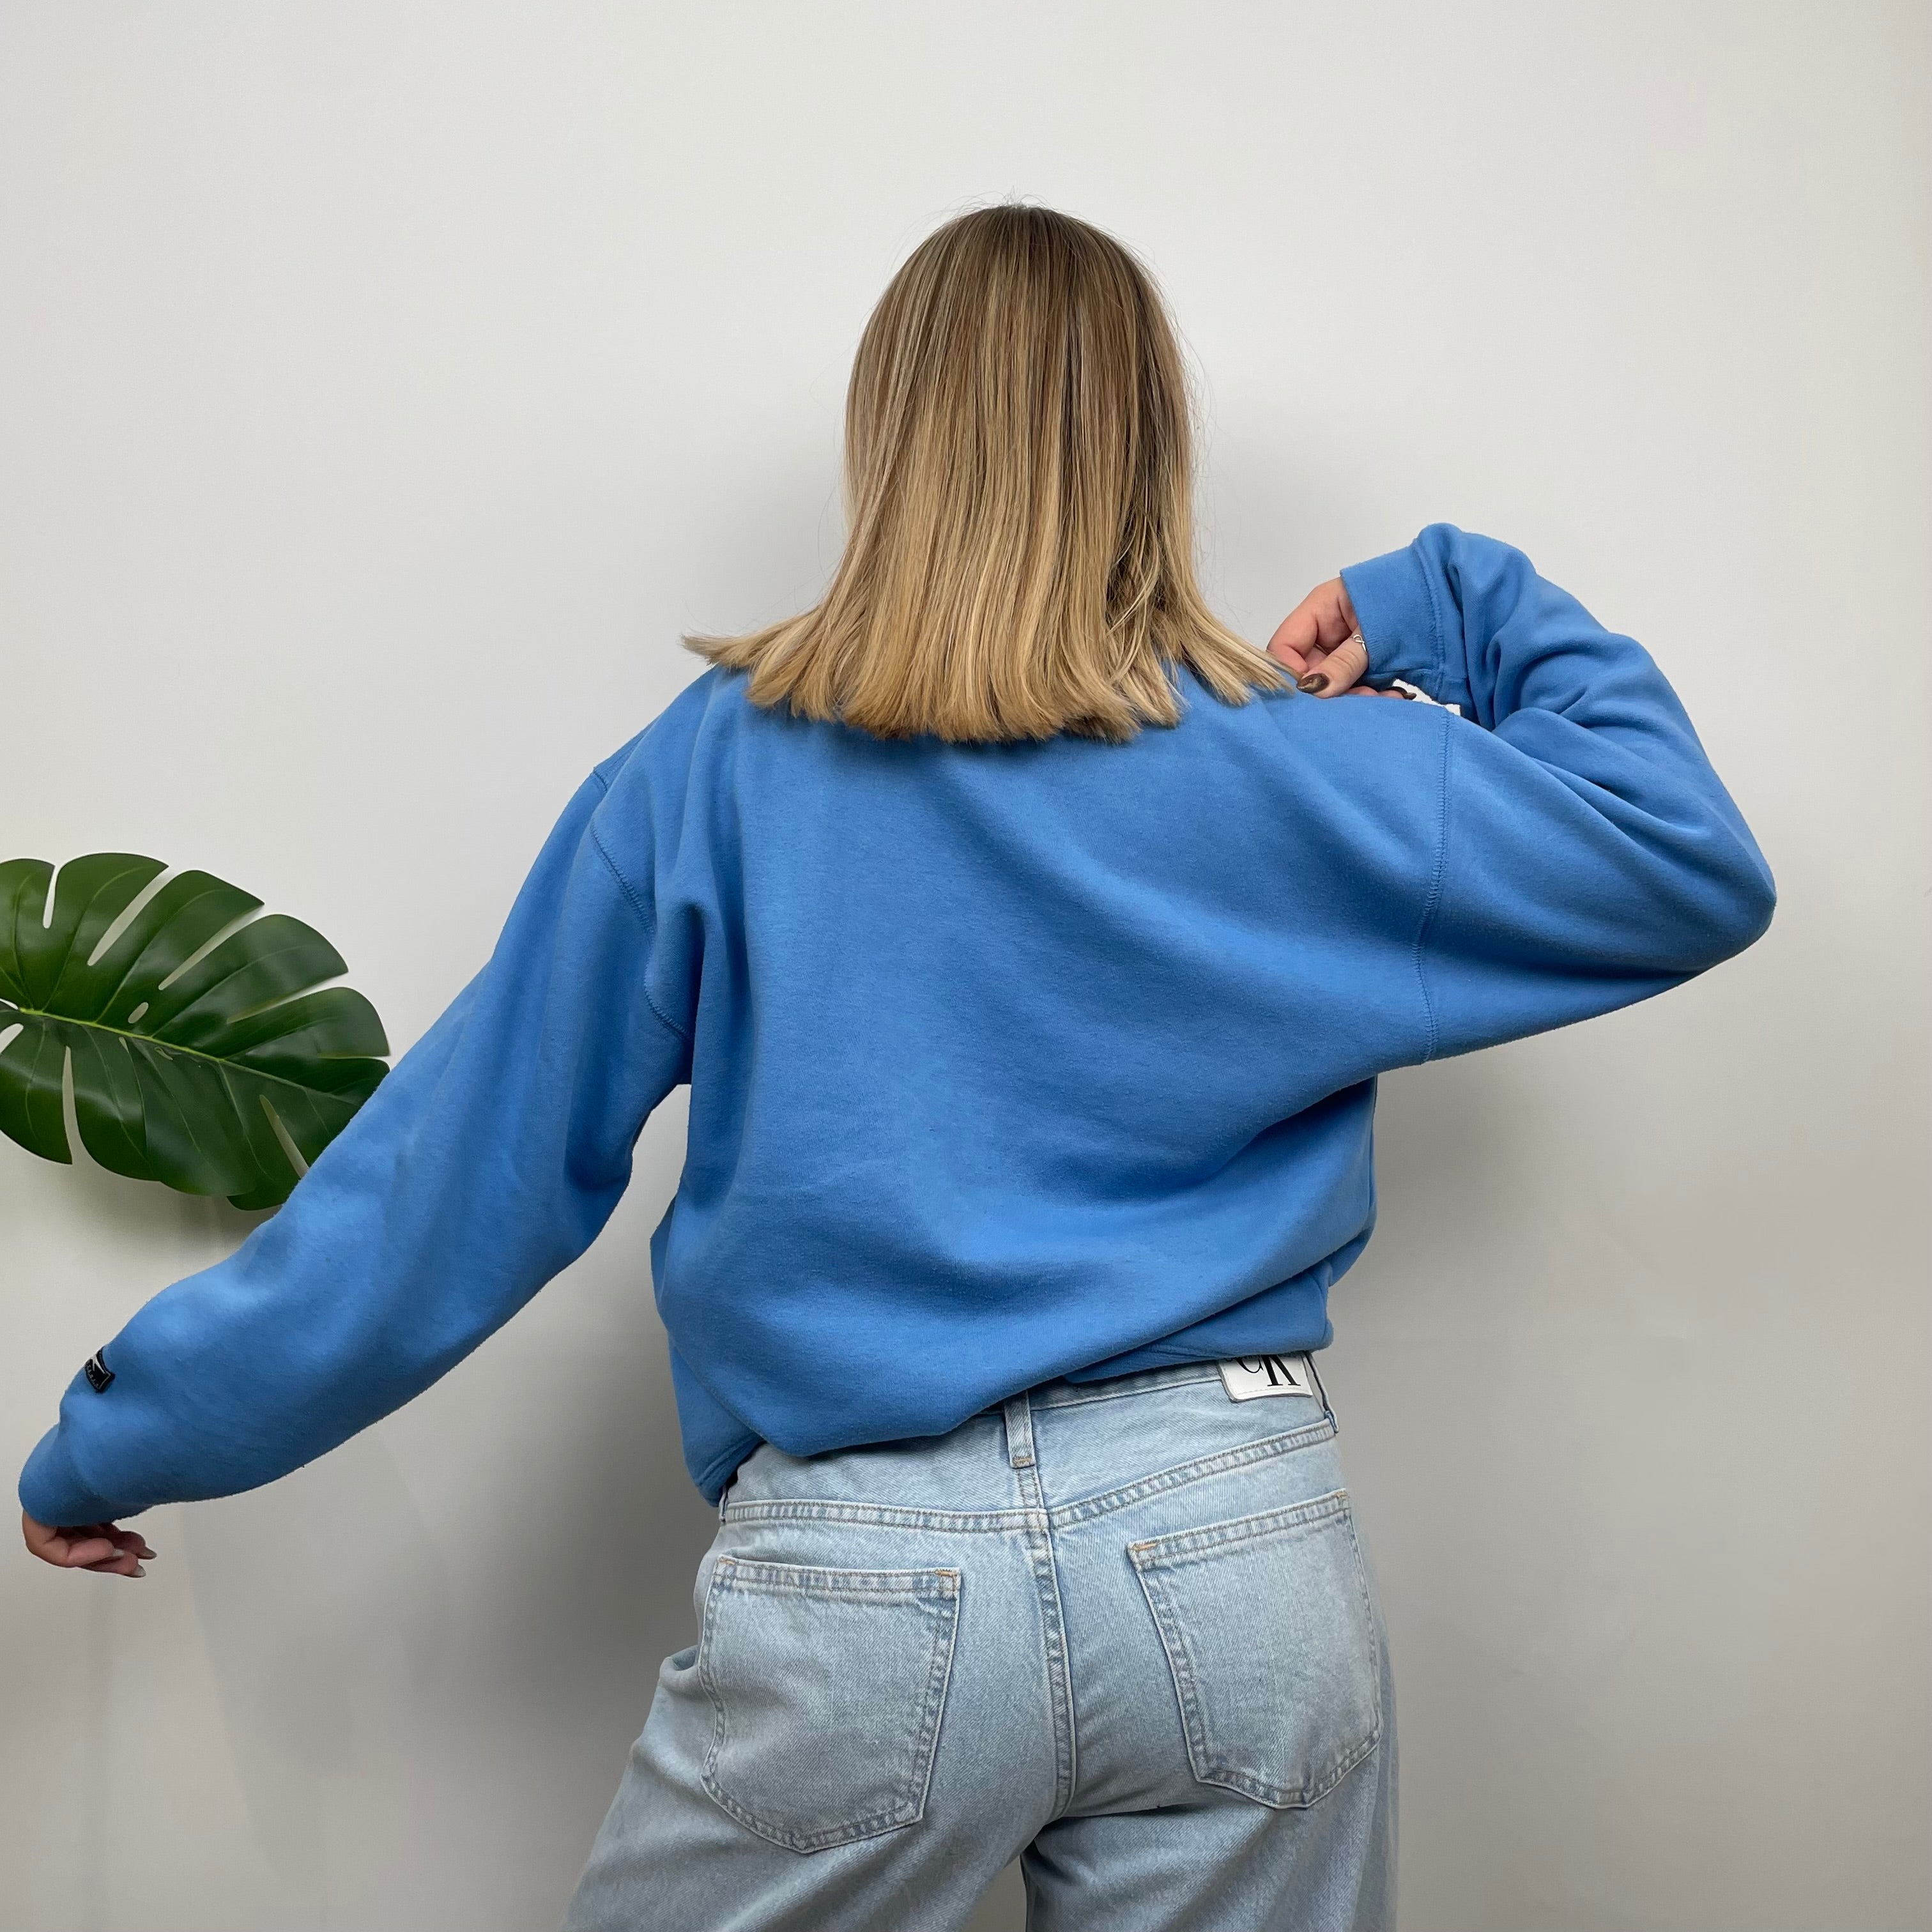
{"points": [[644, 919], [1430, 904]]}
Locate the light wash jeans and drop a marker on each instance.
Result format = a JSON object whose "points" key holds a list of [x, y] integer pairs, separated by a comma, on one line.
{"points": [[1127, 1631]]}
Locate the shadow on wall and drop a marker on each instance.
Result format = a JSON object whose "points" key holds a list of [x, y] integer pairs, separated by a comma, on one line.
{"points": [[323, 1664], [434, 1645]]}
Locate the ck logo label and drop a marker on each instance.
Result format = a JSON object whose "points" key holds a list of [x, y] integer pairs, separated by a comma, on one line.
{"points": [[1244, 1377]]}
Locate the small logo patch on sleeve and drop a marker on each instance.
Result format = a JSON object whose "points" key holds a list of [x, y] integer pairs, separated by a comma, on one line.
{"points": [[98, 1374]]}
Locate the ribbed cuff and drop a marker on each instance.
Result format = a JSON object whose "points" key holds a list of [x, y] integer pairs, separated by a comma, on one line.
{"points": [[51, 1490], [1397, 619]]}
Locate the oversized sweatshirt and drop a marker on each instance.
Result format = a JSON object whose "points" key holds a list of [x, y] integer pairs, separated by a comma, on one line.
{"points": [[1007, 1062]]}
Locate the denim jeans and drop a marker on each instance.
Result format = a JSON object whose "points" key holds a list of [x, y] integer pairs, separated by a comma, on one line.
{"points": [[1127, 1631]]}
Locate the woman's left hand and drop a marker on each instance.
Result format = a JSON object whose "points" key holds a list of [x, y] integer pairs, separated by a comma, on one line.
{"points": [[1319, 641]]}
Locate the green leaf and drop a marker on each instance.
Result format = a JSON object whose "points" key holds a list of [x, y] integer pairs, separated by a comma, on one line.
{"points": [[179, 1076]]}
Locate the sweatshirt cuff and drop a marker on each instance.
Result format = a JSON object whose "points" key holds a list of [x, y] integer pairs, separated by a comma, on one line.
{"points": [[1397, 619], [51, 1490]]}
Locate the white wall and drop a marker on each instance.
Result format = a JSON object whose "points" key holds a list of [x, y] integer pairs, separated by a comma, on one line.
{"points": [[383, 387]]}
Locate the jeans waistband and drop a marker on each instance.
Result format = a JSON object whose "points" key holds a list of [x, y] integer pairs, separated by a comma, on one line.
{"points": [[1053, 1443], [1059, 1393]]}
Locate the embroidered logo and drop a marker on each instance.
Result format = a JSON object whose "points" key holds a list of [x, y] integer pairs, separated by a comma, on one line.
{"points": [[98, 1374]]}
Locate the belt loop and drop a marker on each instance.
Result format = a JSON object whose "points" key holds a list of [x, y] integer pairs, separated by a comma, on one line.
{"points": [[1019, 1430], [1328, 1408]]}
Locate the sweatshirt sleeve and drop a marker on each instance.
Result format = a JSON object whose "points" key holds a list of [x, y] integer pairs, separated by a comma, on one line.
{"points": [[1589, 855], [486, 1160]]}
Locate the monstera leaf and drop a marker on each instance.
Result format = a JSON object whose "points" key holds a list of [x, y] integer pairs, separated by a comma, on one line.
{"points": [[186, 1070]]}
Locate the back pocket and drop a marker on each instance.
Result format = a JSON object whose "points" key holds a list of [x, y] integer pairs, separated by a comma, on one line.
{"points": [[1272, 1641], [828, 1686]]}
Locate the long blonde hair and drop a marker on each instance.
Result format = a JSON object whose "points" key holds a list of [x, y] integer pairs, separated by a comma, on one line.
{"points": [[1018, 488]]}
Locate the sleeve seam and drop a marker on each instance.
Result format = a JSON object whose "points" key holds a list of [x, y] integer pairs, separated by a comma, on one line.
{"points": [[644, 919], [1435, 635], [1431, 1037]]}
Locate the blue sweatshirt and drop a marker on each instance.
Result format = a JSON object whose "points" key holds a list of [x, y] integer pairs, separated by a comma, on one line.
{"points": [[1006, 1061]]}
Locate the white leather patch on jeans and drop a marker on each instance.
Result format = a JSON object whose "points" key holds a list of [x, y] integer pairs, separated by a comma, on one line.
{"points": [[1244, 1377]]}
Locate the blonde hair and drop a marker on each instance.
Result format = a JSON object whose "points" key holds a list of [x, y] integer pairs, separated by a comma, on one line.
{"points": [[1018, 489]]}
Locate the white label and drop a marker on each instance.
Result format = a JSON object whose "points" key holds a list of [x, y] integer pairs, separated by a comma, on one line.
{"points": [[1415, 691], [1244, 1377]]}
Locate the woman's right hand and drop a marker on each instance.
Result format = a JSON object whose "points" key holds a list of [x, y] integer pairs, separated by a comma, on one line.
{"points": [[98, 1546]]}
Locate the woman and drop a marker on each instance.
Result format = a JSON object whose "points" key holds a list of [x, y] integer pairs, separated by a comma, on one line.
{"points": [[1031, 945]]}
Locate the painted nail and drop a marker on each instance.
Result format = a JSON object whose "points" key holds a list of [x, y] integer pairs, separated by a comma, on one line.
{"points": [[1316, 680], [137, 1571]]}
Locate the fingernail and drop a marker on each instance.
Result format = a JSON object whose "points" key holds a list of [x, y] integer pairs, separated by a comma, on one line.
{"points": [[138, 1570], [148, 1555], [1316, 680]]}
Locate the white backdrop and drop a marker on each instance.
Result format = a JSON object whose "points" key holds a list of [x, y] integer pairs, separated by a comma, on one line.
{"points": [[384, 386]]}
